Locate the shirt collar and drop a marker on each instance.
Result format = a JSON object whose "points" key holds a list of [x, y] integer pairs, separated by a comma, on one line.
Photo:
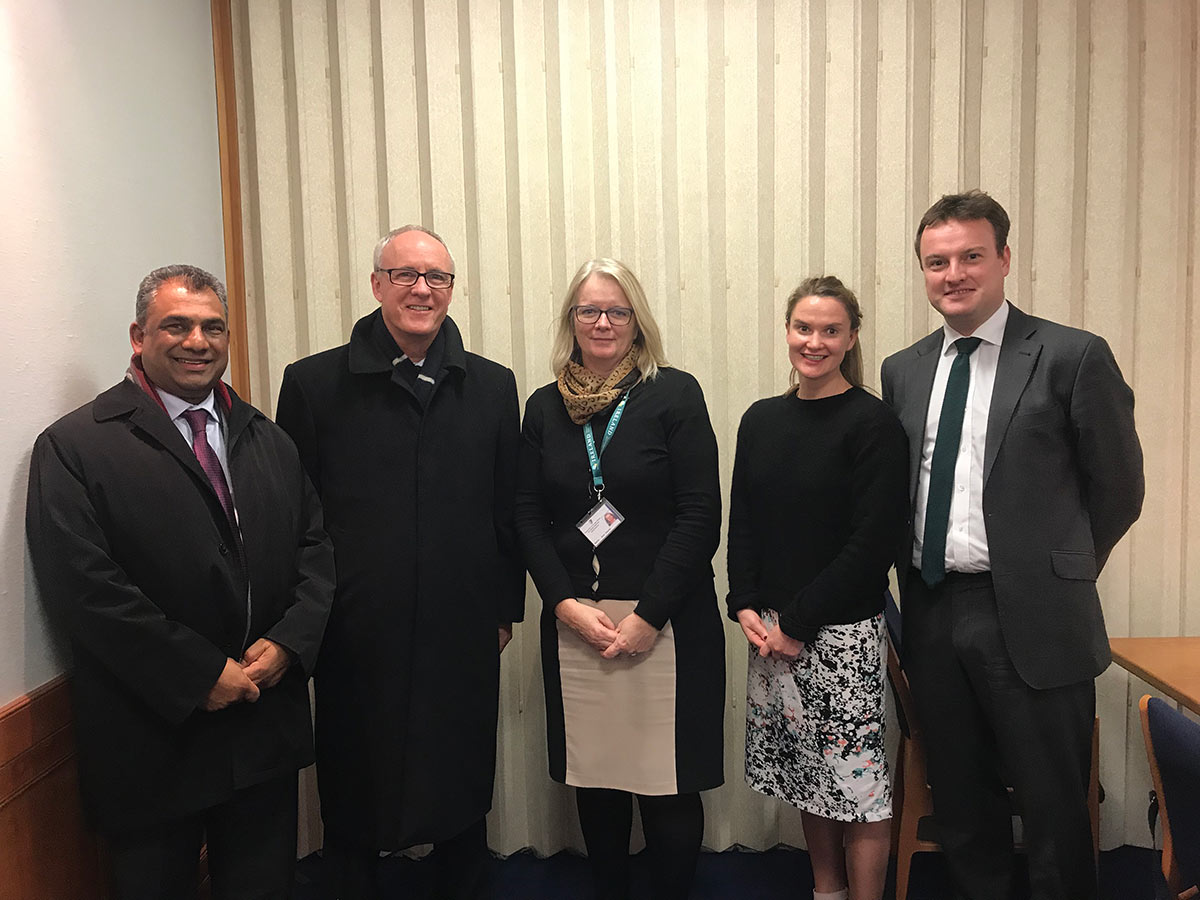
{"points": [[176, 407], [990, 332]]}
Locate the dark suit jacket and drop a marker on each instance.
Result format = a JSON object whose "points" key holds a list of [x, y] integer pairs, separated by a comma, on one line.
{"points": [[134, 559], [1062, 483]]}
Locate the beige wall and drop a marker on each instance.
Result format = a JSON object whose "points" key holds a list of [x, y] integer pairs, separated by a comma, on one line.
{"points": [[725, 151], [108, 168]]}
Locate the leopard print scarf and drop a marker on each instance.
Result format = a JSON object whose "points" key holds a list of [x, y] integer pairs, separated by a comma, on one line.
{"points": [[585, 393]]}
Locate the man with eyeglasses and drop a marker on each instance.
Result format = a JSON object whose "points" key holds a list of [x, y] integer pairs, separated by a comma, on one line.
{"points": [[411, 442]]}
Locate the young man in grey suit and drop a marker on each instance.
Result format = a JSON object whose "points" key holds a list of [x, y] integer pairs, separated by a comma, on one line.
{"points": [[1025, 471]]}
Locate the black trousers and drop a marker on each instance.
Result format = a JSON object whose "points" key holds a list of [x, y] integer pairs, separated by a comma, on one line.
{"points": [[251, 849], [462, 868], [986, 729]]}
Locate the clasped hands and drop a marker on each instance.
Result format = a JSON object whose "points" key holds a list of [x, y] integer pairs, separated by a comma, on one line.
{"points": [[770, 642], [629, 637], [262, 666]]}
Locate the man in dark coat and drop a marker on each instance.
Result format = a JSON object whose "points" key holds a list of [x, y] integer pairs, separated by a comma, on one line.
{"points": [[177, 539], [1025, 471], [411, 442]]}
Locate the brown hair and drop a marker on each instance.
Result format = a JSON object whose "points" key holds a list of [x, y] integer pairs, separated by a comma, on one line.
{"points": [[831, 286], [966, 207]]}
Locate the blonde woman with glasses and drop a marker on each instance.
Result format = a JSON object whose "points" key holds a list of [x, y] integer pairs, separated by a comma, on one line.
{"points": [[619, 515]]}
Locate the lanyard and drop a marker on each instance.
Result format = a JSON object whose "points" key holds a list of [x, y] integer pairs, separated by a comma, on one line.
{"points": [[590, 443]]}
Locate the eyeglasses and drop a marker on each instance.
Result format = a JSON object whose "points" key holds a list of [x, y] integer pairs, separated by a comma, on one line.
{"points": [[590, 315], [408, 277]]}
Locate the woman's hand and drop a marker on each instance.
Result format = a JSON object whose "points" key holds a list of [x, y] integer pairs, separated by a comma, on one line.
{"points": [[753, 627], [780, 646], [634, 635], [589, 622]]}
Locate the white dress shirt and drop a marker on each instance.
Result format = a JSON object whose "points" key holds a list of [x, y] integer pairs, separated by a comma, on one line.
{"points": [[214, 431], [966, 540]]}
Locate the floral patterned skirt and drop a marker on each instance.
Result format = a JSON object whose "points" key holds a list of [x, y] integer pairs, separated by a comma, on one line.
{"points": [[814, 725]]}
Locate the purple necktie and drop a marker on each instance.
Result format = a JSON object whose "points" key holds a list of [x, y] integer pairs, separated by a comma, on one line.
{"points": [[198, 420]]}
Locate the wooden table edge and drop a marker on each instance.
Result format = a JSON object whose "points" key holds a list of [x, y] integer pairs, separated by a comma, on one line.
{"points": [[1191, 701]]}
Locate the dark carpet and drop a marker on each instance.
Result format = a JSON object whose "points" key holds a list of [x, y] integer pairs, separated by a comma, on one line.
{"points": [[1127, 873]]}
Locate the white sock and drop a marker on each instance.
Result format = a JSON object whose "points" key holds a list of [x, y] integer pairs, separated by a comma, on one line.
{"points": [[843, 894]]}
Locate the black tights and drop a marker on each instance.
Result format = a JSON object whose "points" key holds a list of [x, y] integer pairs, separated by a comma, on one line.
{"points": [[673, 826]]}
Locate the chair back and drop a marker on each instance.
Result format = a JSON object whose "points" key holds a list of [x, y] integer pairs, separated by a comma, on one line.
{"points": [[1173, 747], [894, 621], [905, 715]]}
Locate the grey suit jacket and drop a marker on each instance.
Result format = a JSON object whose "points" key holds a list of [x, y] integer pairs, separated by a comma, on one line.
{"points": [[1062, 482]]}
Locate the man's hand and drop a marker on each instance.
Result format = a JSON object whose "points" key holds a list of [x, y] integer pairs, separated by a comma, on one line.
{"points": [[634, 635], [589, 622], [234, 686], [265, 663], [505, 635]]}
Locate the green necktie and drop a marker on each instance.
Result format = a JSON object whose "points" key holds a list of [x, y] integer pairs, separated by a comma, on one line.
{"points": [[941, 470]]}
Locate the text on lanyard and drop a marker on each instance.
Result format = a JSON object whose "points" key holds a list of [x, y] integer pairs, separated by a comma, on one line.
{"points": [[590, 442]]}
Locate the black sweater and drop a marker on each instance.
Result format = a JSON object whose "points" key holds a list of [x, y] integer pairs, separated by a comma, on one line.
{"points": [[660, 472], [819, 505]]}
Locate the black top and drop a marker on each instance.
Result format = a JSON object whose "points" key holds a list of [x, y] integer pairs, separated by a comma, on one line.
{"points": [[819, 505], [660, 472]]}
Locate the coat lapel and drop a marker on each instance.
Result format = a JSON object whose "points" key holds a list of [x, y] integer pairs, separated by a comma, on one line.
{"points": [[237, 418], [127, 400], [1018, 355]]}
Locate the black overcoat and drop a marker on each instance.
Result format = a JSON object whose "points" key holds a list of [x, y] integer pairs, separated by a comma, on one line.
{"points": [[132, 553], [419, 505]]}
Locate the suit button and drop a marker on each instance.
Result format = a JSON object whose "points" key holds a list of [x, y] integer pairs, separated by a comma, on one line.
{"points": [[223, 550]]}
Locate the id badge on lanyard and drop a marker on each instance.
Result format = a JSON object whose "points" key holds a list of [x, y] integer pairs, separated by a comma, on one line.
{"points": [[603, 518]]}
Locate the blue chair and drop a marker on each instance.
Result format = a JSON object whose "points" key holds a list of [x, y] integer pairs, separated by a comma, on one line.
{"points": [[1173, 748]]}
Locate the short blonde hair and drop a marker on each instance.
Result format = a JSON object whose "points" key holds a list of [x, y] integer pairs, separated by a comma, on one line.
{"points": [[647, 342]]}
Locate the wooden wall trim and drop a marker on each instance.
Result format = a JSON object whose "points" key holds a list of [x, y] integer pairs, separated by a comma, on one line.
{"points": [[35, 738], [231, 196], [46, 850]]}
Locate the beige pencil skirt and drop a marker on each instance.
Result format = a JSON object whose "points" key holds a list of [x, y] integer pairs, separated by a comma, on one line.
{"points": [[619, 714]]}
